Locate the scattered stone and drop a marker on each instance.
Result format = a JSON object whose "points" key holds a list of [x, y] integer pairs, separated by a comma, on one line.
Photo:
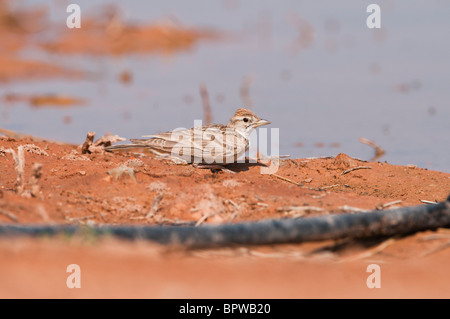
{"points": [[158, 187], [343, 161], [90, 147], [34, 149], [134, 162], [122, 170], [231, 183], [73, 156]]}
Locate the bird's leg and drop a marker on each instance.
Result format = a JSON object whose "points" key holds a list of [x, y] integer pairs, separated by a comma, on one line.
{"points": [[213, 167]]}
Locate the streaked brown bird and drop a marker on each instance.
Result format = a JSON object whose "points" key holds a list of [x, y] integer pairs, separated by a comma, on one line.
{"points": [[207, 144]]}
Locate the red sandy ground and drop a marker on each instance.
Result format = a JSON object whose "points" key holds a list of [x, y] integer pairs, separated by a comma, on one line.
{"points": [[77, 191]]}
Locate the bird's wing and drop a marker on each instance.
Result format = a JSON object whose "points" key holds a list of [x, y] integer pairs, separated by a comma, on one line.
{"points": [[221, 144], [208, 143]]}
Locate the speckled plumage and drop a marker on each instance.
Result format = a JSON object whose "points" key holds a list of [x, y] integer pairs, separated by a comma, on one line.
{"points": [[207, 144]]}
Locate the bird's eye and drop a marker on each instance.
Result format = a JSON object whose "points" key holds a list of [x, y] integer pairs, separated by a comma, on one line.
{"points": [[245, 119]]}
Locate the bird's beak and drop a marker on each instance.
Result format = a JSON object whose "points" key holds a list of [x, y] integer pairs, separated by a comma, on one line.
{"points": [[261, 123]]}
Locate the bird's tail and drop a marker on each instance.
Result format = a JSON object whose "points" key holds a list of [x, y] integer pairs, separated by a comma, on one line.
{"points": [[122, 147]]}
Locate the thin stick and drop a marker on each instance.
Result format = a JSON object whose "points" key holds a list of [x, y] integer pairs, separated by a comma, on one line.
{"points": [[9, 215], [76, 219], [43, 213], [395, 202], [34, 179], [441, 247], [328, 187], [155, 207], [299, 209], [205, 217], [427, 202], [286, 179], [372, 251], [207, 114], [232, 203], [383, 206], [293, 162], [238, 209], [19, 164], [244, 91], [354, 169], [174, 221], [347, 208], [378, 150]]}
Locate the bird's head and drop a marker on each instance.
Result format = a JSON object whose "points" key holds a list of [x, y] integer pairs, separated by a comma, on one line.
{"points": [[245, 121]]}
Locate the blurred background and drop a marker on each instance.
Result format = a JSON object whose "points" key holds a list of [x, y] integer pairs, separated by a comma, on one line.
{"points": [[314, 69]]}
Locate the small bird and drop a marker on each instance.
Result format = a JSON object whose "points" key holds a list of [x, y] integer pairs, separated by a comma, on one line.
{"points": [[208, 144]]}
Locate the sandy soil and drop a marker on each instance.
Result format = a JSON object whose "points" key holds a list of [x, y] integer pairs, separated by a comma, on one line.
{"points": [[77, 189]]}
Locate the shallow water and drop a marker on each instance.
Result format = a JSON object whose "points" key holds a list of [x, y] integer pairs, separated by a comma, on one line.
{"points": [[346, 81]]}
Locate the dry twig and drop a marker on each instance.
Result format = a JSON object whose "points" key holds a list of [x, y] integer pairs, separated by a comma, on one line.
{"points": [[286, 179], [328, 187], [88, 143], [427, 202], [354, 169], [204, 217], [9, 215], [299, 209], [371, 252], [378, 150], [244, 91], [238, 209], [383, 206], [352, 209], [34, 179], [207, 114], [99, 146], [437, 249], [19, 165], [155, 206]]}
